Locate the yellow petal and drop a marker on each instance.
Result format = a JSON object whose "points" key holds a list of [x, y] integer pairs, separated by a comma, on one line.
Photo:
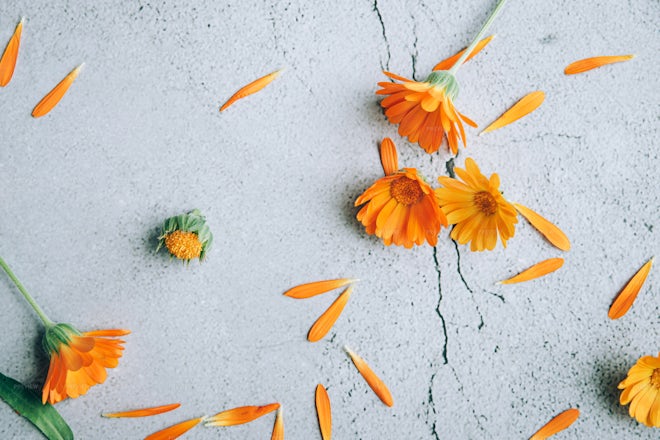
{"points": [[324, 412], [278, 427], [388, 157], [240, 415], [448, 63], [376, 384], [316, 288], [549, 230], [174, 431], [594, 62], [325, 322], [538, 270], [144, 412], [251, 88], [54, 96], [625, 299], [558, 423], [9, 57], [525, 106]]}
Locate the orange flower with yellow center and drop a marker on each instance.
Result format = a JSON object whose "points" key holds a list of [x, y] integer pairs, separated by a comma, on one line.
{"points": [[183, 245], [476, 208], [641, 389], [186, 236]]}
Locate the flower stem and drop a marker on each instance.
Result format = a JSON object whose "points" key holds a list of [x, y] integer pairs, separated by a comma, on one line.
{"points": [[47, 322], [479, 36]]}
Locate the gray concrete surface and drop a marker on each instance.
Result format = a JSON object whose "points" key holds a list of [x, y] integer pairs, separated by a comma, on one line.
{"points": [[138, 138]]}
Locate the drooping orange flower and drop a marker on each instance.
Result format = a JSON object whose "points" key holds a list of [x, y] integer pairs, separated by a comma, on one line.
{"points": [[641, 389], [476, 207]]}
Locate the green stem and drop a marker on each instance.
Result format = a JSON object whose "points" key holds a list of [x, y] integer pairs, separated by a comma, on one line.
{"points": [[47, 322], [478, 38]]}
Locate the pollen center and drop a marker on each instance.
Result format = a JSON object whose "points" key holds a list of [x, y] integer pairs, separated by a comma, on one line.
{"points": [[183, 245], [485, 202], [655, 378], [406, 191]]}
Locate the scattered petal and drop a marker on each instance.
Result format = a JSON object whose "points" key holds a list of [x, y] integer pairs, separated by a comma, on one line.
{"points": [[388, 157], [316, 288], [592, 63], [325, 322], [9, 57], [175, 431], [324, 412], [625, 299], [376, 384], [449, 62], [144, 412], [278, 427], [538, 270], [251, 88], [108, 332], [525, 106], [240, 415], [558, 423], [54, 96], [545, 227]]}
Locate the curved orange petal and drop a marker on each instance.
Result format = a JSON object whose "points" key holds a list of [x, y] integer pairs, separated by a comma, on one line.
{"points": [[240, 415], [323, 412], [525, 106], [376, 384], [317, 287], [558, 423], [251, 88], [54, 96], [594, 62], [545, 227], [538, 270], [10, 55], [175, 431], [448, 63], [325, 322], [143, 412], [388, 157], [627, 296]]}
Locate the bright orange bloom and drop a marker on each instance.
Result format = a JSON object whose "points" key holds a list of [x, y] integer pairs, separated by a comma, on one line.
{"points": [[78, 360], [641, 388], [594, 62], [476, 207], [402, 209], [558, 423]]}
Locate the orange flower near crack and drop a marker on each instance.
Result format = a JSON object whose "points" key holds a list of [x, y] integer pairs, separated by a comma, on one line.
{"points": [[641, 389]]}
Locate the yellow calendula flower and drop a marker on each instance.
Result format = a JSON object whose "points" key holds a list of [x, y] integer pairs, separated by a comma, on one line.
{"points": [[186, 236], [641, 389]]}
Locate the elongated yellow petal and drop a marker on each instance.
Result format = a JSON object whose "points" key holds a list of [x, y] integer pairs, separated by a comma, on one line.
{"points": [[251, 88], [538, 270], [525, 106], [545, 227], [594, 62], [54, 96], [9, 57], [316, 288], [278, 427], [324, 412], [325, 322], [627, 296], [240, 415], [376, 384], [388, 157], [448, 63], [558, 423], [143, 412], [174, 431]]}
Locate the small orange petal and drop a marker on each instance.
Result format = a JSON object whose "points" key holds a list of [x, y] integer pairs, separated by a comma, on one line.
{"points": [[324, 412], [54, 96], [174, 431], [592, 63], [251, 88], [9, 57], [388, 157], [538, 270], [278, 427], [240, 415], [325, 322], [109, 332], [316, 288], [625, 299], [558, 423], [376, 384], [525, 106], [549, 230], [144, 412], [449, 62]]}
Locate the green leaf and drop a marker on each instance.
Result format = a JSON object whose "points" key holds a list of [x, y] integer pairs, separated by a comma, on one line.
{"points": [[28, 404]]}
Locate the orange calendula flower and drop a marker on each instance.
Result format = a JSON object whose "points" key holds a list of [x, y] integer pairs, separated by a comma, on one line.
{"points": [[594, 62], [641, 389], [186, 236], [476, 208]]}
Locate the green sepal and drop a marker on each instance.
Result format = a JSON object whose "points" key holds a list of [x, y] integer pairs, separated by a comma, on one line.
{"points": [[28, 404], [445, 80], [57, 335], [193, 222]]}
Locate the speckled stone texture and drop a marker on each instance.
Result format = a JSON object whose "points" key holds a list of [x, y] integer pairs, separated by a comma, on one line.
{"points": [[138, 138]]}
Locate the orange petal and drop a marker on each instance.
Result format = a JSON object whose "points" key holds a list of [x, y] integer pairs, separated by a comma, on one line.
{"points": [[144, 412], [278, 427], [549, 230], [376, 384], [449, 62], [525, 106], [558, 423], [388, 157], [174, 431], [538, 270], [109, 332], [316, 288], [251, 88], [240, 415], [9, 57], [324, 412], [625, 299], [325, 322], [53, 97], [592, 63]]}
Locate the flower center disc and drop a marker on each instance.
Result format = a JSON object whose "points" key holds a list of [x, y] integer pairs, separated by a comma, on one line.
{"points": [[406, 191], [655, 378], [183, 245], [485, 202]]}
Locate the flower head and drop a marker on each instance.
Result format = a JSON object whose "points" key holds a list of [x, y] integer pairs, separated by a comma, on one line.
{"points": [[476, 207], [641, 389], [78, 360], [186, 236]]}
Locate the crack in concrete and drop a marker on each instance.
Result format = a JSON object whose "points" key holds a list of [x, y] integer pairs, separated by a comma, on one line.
{"points": [[431, 405], [385, 66], [445, 360], [415, 54]]}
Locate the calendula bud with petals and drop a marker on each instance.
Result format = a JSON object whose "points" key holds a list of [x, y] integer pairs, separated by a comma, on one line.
{"points": [[186, 236]]}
